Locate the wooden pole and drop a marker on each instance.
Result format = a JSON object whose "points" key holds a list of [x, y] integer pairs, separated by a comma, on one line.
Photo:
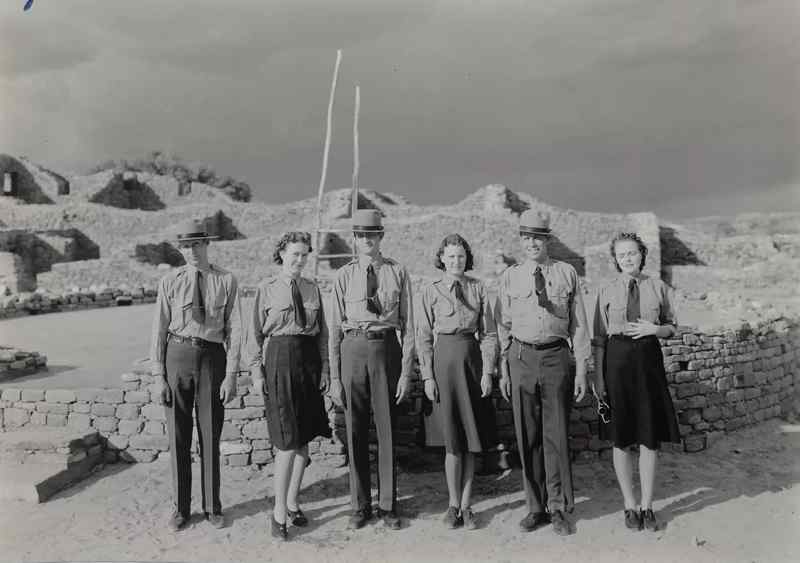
{"points": [[326, 152], [356, 162]]}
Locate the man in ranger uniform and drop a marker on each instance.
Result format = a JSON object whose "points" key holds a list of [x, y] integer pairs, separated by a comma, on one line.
{"points": [[195, 358], [369, 366], [539, 312]]}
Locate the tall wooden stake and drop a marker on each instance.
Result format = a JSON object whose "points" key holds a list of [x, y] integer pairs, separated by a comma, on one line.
{"points": [[356, 163], [326, 151]]}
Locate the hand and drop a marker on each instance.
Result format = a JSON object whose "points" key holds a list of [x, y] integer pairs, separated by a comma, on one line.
{"points": [[486, 385], [402, 389], [227, 391], [258, 385], [580, 387], [599, 385], [164, 392], [324, 382], [640, 329], [431, 390], [505, 387], [336, 392]]}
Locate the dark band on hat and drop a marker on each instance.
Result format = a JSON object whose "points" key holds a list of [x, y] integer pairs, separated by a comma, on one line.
{"points": [[372, 228], [201, 234], [533, 231]]}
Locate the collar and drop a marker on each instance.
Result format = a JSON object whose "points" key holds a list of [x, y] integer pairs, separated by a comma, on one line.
{"points": [[192, 269], [450, 280], [531, 265], [364, 261], [287, 278]]}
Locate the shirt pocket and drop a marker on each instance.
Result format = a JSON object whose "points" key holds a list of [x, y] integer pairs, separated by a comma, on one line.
{"points": [[276, 316], [389, 300], [560, 299], [443, 307], [311, 306], [181, 311], [617, 317]]}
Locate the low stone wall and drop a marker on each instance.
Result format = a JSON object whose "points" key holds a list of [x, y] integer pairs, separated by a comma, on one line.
{"points": [[15, 362], [40, 302], [719, 382]]}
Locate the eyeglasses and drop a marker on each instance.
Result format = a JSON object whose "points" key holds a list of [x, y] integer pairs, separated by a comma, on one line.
{"points": [[603, 410]]}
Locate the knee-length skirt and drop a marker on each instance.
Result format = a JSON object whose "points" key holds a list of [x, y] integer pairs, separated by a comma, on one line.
{"points": [[465, 418], [642, 412], [294, 404]]}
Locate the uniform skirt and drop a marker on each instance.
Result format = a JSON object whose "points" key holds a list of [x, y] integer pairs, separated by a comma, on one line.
{"points": [[464, 417], [636, 385], [295, 406]]}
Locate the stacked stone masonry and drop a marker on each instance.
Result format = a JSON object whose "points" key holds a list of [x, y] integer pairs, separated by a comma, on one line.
{"points": [[719, 382], [15, 362], [40, 302]]}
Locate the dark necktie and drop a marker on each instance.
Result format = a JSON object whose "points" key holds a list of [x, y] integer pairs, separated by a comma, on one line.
{"points": [[459, 293], [198, 304], [633, 310], [541, 289], [299, 309], [372, 291]]}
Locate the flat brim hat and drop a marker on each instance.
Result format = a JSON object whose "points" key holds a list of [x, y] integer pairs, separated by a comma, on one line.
{"points": [[367, 221], [534, 222], [190, 230]]}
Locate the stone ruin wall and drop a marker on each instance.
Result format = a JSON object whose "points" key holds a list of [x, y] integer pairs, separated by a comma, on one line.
{"points": [[719, 382]]}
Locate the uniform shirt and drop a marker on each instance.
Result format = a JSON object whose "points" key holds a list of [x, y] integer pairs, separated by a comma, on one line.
{"points": [[273, 315], [611, 307], [223, 321], [349, 307], [519, 315], [439, 312]]}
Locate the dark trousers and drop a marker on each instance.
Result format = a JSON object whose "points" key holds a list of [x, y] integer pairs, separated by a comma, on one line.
{"points": [[370, 370], [194, 376], [541, 396]]}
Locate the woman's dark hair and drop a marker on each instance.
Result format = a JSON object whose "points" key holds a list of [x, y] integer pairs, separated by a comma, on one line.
{"points": [[289, 238], [453, 240], [628, 236]]}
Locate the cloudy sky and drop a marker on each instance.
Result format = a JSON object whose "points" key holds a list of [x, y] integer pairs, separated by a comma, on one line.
{"points": [[684, 107]]}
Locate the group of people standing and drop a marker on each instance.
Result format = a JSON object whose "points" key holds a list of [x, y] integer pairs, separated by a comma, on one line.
{"points": [[362, 357]]}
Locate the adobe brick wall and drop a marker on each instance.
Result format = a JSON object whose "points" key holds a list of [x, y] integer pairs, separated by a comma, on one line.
{"points": [[719, 381], [22, 304]]}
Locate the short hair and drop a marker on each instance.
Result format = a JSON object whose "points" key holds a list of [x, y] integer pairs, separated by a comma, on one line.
{"points": [[633, 237], [289, 238], [453, 240]]}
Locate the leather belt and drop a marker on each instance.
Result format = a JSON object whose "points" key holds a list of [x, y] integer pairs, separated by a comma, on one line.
{"points": [[545, 346], [379, 334], [459, 332], [191, 340]]}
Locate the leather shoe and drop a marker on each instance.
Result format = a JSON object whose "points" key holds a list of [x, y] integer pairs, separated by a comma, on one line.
{"points": [[560, 523], [648, 519], [278, 531], [216, 519], [632, 520], [534, 520], [177, 521], [296, 517], [468, 517], [452, 519], [359, 518], [390, 519]]}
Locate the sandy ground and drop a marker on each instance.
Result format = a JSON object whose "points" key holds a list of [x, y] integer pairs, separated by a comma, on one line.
{"points": [[735, 502]]}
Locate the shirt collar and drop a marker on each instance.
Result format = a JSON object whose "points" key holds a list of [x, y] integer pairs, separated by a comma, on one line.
{"points": [[364, 261], [449, 280], [287, 278], [532, 265]]}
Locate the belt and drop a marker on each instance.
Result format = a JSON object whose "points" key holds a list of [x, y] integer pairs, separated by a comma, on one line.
{"points": [[459, 332], [626, 338], [546, 346], [378, 334], [191, 341]]}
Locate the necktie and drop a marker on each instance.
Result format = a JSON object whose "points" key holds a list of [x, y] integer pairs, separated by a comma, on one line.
{"points": [[459, 293], [541, 289], [299, 309], [372, 291], [633, 310], [198, 304]]}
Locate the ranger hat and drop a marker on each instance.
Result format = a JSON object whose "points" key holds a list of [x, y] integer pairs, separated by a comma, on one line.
{"points": [[534, 223], [367, 221], [190, 230]]}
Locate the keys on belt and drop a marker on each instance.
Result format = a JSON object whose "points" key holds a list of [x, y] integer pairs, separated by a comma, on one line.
{"points": [[191, 340]]}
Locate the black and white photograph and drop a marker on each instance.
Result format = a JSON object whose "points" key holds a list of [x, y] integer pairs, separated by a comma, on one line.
{"points": [[400, 280]]}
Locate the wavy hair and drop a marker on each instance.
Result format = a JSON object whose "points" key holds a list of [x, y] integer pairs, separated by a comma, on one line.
{"points": [[628, 236], [286, 240], [453, 240]]}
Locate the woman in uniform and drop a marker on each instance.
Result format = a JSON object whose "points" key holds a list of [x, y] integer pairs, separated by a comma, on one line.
{"points": [[456, 344], [631, 314], [289, 346]]}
